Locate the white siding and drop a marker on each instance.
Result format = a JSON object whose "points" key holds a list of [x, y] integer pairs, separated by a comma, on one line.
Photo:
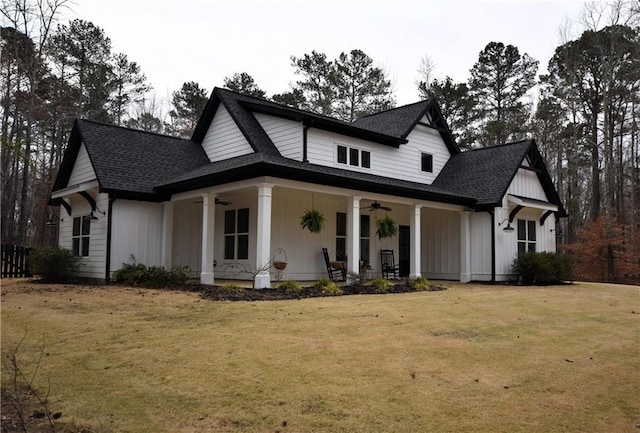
{"points": [[440, 244], [136, 231], [187, 235], [82, 169], [481, 246], [400, 163], [285, 134], [224, 140], [526, 184], [92, 266]]}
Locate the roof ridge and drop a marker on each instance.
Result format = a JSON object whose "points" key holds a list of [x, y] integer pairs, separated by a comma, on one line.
{"points": [[126, 128], [395, 108], [498, 145]]}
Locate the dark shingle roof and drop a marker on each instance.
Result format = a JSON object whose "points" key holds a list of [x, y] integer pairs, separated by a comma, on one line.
{"points": [[486, 173], [483, 173], [250, 166], [130, 161], [397, 121]]}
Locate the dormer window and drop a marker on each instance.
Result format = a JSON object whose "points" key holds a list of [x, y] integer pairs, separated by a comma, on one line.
{"points": [[353, 156], [427, 162]]}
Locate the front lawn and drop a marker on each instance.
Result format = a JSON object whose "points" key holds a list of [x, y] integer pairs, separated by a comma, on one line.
{"points": [[472, 358]]}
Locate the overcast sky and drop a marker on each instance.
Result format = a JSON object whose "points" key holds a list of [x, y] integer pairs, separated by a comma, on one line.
{"points": [[205, 41]]}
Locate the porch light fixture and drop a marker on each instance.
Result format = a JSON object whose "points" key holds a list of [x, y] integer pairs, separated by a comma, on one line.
{"points": [[92, 217], [509, 228]]}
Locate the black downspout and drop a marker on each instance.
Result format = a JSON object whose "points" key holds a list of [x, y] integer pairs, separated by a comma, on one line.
{"points": [[304, 143], [107, 273], [493, 245]]}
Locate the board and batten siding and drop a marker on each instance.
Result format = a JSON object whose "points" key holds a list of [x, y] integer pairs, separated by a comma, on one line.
{"points": [[440, 244], [224, 140], [92, 266], [399, 163], [526, 184], [187, 234], [136, 231], [480, 227], [82, 169], [285, 134]]}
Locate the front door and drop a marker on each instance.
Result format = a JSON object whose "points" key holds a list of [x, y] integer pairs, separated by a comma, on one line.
{"points": [[404, 253]]}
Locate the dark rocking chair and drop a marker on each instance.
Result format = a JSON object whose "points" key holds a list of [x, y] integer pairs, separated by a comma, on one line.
{"points": [[389, 267], [336, 270]]}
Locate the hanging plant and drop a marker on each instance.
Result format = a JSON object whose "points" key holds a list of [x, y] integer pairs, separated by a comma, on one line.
{"points": [[312, 220], [386, 227]]}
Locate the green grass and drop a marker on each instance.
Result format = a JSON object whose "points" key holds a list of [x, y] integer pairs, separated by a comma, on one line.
{"points": [[472, 358]]}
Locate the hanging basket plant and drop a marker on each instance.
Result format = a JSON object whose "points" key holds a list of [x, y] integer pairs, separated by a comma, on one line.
{"points": [[386, 227], [312, 220]]}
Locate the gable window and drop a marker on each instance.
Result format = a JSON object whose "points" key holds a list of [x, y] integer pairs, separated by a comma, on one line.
{"points": [[526, 236], [353, 156], [80, 235], [341, 236], [427, 162], [236, 234]]}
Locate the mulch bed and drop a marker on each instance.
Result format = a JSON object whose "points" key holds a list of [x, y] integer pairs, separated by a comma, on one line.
{"points": [[220, 293]]}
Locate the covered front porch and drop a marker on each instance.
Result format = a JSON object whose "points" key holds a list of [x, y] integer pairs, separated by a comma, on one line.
{"points": [[237, 230]]}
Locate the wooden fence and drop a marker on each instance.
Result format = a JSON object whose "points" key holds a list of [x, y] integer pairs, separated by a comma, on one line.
{"points": [[15, 263]]}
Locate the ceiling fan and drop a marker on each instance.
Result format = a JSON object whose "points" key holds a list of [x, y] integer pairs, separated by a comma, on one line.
{"points": [[217, 201], [377, 206]]}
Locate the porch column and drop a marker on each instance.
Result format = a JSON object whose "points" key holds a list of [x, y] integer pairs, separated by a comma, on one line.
{"points": [[167, 233], [208, 225], [414, 244], [353, 235], [263, 237], [465, 246]]}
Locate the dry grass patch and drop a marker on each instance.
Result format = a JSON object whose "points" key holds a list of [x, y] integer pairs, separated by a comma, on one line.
{"points": [[472, 358]]}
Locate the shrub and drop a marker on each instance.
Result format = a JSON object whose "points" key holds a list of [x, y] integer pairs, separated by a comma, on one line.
{"points": [[137, 274], [232, 288], [289, 286], [327, 287], [53, 264], [419, 284], [542, 268], [380, 285]]}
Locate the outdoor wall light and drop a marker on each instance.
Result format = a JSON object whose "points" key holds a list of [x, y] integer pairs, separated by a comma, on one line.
{"points": [[92, 217], [509, 228], [51, 222]]}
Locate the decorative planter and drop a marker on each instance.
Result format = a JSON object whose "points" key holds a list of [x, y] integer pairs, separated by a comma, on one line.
{"points": [[386, 227], [312, 220], [281, 266]]}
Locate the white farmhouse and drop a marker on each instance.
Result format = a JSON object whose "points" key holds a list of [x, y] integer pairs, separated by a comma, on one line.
{"points": [[230, 197]]}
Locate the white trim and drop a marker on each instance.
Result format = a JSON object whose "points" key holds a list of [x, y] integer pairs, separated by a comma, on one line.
{"points": [[527, 202], [208, 237], [84, 186]]}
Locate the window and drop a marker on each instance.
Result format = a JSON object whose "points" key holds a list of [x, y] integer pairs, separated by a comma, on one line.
{"points": [[80, 235], [236, 234], [427, 163], [341, 236], [366, 159], [365, 237], [342, 154], [526, 236], [353, 156]]}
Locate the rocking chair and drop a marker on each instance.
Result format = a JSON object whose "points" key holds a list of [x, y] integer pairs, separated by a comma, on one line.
{"points": [[336, 270]]}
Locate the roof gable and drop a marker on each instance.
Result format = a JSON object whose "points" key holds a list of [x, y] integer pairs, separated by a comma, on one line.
{"points": [[129, 162], [487, 173], [400, 122]]}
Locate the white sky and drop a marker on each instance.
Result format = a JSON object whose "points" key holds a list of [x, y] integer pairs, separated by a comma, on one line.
{"points": [[205, 41]]}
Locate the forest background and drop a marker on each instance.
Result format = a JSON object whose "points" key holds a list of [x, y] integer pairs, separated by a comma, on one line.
{"points": [[583, 113]]}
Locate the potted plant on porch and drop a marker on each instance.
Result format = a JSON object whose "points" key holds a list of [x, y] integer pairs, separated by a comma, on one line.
{"points": [[312, 220], [386, 227]]}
